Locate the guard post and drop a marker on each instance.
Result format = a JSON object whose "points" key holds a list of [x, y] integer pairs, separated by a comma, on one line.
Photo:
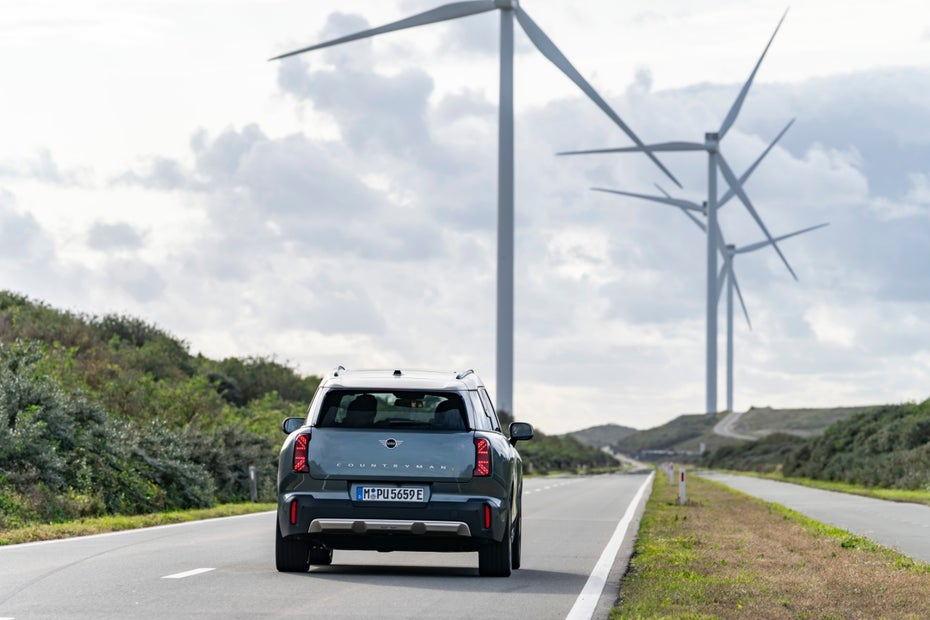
{"points": [[253, 484]]}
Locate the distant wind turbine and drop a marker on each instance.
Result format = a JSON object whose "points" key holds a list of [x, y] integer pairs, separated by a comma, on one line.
{"points": [[728, 252], [715, 160], [505, 182]]}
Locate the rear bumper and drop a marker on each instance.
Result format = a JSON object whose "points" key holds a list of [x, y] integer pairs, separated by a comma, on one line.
{"points": [[434, 526]]}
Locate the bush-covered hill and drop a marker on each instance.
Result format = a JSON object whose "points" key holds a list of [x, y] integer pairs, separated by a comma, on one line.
{"points": [[110, 414], [604, 435], [887, 447], [681, 437]]}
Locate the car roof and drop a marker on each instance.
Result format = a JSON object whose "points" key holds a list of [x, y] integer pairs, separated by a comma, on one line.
{"points": [[400, 379]]}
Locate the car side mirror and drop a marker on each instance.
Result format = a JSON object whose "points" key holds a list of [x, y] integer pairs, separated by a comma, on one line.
{"points": [[292, 424], [520, 431]]}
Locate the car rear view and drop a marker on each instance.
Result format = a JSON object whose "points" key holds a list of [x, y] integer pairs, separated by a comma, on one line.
{"points": [[400, 461]]}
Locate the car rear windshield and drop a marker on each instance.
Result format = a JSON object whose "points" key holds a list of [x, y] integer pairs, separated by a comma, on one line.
{"points": [[439, 411]]}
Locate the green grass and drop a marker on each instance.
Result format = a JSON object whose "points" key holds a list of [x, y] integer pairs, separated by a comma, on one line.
{"points": [[725, 554], [100, 525]]}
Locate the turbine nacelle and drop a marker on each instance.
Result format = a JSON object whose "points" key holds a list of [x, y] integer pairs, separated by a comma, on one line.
{"points": [[507, 5]]}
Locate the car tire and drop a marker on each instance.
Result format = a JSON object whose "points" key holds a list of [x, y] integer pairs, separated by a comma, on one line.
{"points": [[494, 557], [321, 556], [515, 550], [290, 556]]}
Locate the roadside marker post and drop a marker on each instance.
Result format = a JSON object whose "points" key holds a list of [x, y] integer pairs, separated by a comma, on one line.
{"points": [[682, 495], [253, 484], [669, 471]]}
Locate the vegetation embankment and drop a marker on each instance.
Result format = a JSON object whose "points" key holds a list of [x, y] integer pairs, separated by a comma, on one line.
{"points": [[884, 447], [110, 415], [113, 416], [725, 555], [682, 437]]}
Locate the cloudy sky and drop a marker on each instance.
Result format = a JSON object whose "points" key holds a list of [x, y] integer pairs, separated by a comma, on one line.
{"points": [[340, 207]]}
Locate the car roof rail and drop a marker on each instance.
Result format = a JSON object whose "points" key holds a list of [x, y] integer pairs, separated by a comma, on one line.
{"points": [[464, 374], [337, 369]]}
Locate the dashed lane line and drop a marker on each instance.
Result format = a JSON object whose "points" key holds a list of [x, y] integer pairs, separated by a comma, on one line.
{"points": [[189, 573]]}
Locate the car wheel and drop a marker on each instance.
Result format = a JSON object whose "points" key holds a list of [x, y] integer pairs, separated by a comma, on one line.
{"points": [[290, 556], [494, 557], [321, 556], [515, 546]]}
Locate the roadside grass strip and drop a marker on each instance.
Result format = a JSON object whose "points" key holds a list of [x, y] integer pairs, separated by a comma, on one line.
{"points": [[892, 495], [117, 523], [727, 555]]}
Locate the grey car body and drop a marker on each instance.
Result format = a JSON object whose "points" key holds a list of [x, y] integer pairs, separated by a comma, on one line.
{"points": [[394, 460]]}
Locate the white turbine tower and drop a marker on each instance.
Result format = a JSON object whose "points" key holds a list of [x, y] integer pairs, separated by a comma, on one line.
{"points": [[505, 185], [715, 160]]}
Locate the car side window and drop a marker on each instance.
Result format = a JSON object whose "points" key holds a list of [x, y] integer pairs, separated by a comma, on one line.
{"points": [[482, 422], [489, 410]]}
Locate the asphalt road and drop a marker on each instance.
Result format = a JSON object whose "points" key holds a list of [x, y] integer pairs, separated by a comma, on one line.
{"points": [[905, 527], [225, 568]]}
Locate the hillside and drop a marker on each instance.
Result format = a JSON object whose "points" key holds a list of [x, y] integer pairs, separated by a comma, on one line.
{"points": [[887, 446], [682, 437], [884, 447], [762, 421], [603, 435], [112, 415]]}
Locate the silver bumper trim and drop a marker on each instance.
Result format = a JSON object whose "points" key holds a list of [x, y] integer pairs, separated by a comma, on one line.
{"points": [[365, 526]]}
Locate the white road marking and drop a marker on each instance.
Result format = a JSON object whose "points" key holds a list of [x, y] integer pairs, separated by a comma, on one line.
{"points": [[585, 604], [58, 541], [189, 573]]}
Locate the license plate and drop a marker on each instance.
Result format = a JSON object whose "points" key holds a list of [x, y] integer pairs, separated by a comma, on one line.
{"points": [[390, 494]]}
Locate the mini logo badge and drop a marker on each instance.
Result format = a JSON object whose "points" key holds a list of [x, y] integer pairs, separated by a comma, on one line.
{"points": [[391, 443]]}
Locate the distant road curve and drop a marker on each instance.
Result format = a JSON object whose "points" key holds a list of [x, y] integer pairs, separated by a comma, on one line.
{"points": [[901, 526], [725, 427]]}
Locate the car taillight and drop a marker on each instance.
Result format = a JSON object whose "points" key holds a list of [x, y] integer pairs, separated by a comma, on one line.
{"points": [[302, 453], [482, 457], [487, 516], [293, 512]]}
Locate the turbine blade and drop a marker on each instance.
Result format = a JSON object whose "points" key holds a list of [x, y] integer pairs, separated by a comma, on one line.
{"points": [[548, 49], [734, 183], [675, 202], [660, 147], [439, 14], [734, 110], [687, 212], [696, 221], [752, 247], [739, 294], [742, 180]]}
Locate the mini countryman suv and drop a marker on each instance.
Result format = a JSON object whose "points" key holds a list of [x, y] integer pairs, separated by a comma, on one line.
{"points": [[392, 460]]}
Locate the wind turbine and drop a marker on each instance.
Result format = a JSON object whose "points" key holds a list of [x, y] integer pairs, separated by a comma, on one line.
{"points": [[728, 252], [715, 160], [505, 185]]}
